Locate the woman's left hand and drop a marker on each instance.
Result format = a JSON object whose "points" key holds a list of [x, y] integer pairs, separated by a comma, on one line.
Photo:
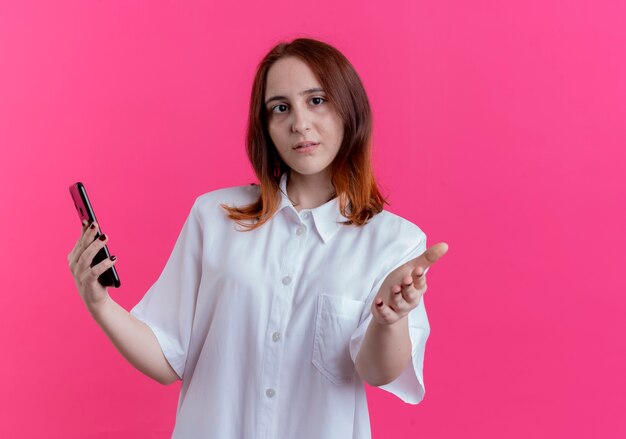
{"points": [[404, 287]]}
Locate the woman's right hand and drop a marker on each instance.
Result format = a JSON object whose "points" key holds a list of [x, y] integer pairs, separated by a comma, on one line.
{"points": [[94, 295], [133, 338]]}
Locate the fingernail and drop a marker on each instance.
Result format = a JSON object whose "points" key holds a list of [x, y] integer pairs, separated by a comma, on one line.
{"points": [[92, 226], [103, 237], [113, 258]]}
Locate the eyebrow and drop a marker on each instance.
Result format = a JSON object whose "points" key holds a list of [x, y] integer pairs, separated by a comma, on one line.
{"points": [[307, 91]]}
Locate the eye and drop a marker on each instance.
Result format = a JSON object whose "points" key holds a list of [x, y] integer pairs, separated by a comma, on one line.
{"points": [[273, 109]]}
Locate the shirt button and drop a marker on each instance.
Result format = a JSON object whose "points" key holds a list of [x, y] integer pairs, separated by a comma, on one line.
{"points": [[276, 336], [286, 280], [270, 393], [306, 214], [300, 230]]}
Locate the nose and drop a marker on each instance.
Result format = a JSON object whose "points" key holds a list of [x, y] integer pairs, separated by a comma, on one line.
{"points": [[301, 122]]}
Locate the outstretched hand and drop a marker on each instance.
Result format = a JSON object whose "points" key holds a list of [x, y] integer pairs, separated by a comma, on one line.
{"points": [[404, 287]]}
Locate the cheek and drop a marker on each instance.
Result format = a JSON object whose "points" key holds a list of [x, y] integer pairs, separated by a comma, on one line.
{"points": [[337, 125], [339, 133], [340, 129], [333, 128]]}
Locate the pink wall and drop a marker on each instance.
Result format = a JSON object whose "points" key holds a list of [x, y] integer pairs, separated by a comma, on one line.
{"points": [[499, 129]]}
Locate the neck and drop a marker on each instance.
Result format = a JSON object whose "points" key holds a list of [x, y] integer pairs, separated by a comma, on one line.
{"points": [[309, 191]]}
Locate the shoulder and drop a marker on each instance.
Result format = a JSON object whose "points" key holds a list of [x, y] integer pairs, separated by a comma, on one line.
{"points": [[233, 196], [390, 226]]}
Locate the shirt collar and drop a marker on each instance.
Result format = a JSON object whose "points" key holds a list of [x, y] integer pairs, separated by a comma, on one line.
{"points": [[327, 217]]}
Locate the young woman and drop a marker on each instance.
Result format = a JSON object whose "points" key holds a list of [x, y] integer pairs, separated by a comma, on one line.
{"points": [[281, 298]]}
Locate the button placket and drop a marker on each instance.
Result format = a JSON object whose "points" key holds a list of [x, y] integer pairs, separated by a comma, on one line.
{"points": [[280, 313]]}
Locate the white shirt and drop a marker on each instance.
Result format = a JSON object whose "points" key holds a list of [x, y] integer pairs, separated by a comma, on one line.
{"points": [[264, 326]]}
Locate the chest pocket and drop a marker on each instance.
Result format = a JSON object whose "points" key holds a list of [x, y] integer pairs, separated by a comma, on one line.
{"points": [[337, 319]]}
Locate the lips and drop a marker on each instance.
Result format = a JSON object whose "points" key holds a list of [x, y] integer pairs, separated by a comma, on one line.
{"points": [[305, 144]]}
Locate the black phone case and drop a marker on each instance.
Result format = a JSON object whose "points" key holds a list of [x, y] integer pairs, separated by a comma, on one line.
{"points": [[85, 211]]}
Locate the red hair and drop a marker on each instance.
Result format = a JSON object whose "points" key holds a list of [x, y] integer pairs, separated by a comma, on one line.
{"points": [[351, 170]]}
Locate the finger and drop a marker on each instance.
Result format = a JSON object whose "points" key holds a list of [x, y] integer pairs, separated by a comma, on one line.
{"points": [[435, 252], [384, 311], [72, 257], [412, 292], [411, 295], [84, 225], [95, 271], [419, 277], [407, 281], [420, 271], [430, 256], [398, 301], [85, 259], [88, 237], [407, 284]]}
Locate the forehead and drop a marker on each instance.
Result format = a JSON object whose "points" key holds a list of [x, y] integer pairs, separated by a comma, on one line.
{"points": [[289, 75]]}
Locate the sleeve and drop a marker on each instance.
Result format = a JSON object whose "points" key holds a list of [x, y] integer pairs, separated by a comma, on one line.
{"points": [[168, 306], [409, 385]]}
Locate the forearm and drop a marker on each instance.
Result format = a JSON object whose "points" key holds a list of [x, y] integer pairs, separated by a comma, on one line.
{"points": [[385, 352], [134, 340]]}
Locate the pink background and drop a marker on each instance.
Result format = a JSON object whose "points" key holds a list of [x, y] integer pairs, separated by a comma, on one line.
{"points": [[499, 128]]}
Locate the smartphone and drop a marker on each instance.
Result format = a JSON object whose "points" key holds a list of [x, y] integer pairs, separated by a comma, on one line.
{"points": [[85, 211]]}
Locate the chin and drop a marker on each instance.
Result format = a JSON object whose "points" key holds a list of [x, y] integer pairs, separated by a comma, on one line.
{"points": [[308, 170]]}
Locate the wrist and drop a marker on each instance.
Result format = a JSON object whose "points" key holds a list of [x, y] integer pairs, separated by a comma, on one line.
{"points": [[398, 324], [96, 309]]}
